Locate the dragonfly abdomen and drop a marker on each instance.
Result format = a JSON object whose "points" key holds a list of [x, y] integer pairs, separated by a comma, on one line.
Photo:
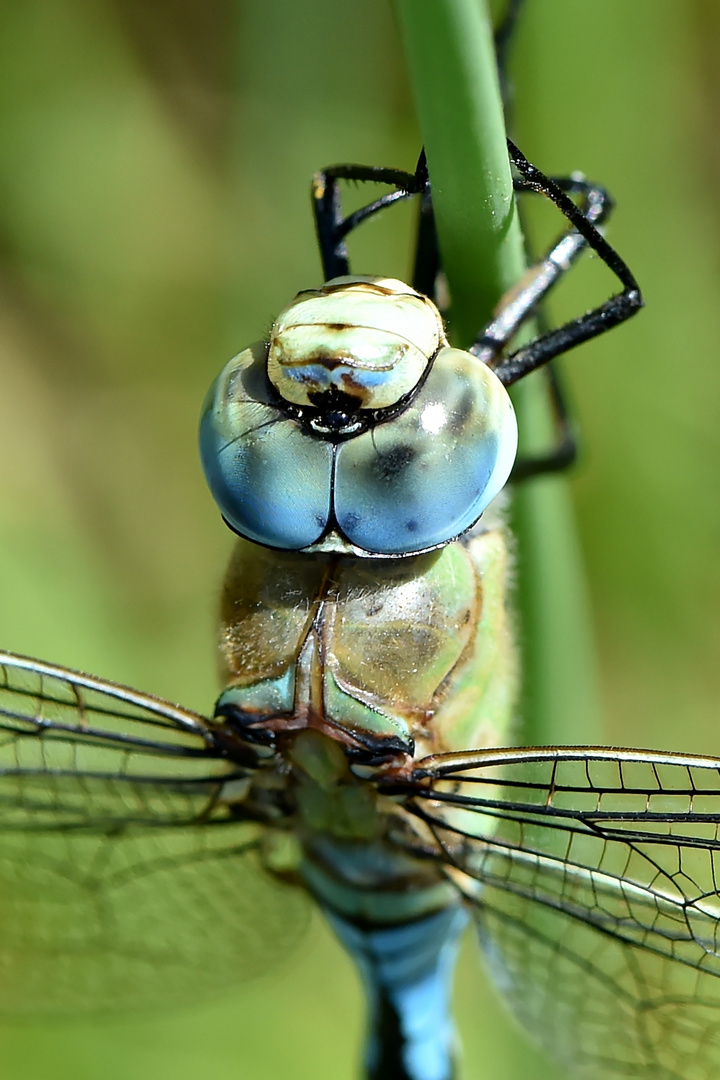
{"points": [[407, 971]]}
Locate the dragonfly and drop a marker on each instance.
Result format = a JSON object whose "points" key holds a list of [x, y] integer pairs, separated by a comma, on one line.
{"points": [[355, 758]]}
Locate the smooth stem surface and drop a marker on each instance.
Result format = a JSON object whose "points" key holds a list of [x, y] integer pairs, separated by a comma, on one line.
{"points": [[560, 687], [451, 62]]}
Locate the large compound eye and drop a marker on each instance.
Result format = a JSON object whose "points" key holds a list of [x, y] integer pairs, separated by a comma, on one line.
{"points": [[269, 476], [400, 485], [424, 478]]}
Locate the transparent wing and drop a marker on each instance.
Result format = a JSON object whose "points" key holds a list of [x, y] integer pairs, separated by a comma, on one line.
{"points": [[124, 880], [594, 875]]}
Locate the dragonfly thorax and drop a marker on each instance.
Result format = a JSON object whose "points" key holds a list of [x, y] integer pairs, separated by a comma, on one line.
{"points": [[386, 657]]}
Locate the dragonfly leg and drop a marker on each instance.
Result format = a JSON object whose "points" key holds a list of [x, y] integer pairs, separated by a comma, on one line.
{"points": [[332, 228], [427, 253], [521, 302], [564, 452]]}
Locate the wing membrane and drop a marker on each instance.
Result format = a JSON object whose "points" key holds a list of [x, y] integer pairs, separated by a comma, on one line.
{"points": [[123, 880], [593, 874], [594, 877]]}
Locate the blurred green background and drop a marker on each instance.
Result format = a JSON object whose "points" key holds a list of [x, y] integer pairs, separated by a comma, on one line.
{"points": [[154, 216]]}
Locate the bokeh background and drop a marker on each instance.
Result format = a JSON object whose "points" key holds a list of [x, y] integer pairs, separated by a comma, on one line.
{"points": [[154, 216]]}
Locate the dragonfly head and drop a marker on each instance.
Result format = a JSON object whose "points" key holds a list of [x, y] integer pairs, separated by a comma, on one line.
{"points": [[356, 428]]}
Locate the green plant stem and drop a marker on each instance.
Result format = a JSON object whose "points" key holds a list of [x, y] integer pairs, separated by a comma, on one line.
{"points": [[560, 690], [451, 61]]}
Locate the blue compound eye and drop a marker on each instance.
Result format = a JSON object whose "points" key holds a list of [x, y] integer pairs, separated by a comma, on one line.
{"points": [[397, 483], [269, 476], [425, 477]]}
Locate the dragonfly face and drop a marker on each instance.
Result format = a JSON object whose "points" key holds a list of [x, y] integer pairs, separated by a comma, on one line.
{"points": [[149, 853], [337, 433]]}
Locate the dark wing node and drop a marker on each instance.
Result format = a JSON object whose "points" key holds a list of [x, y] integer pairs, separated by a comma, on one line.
{"points": [[125, 879], [594, 878]]}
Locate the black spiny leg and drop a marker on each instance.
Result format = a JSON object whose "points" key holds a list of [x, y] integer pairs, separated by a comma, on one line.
{"points": [[521, 302], [333, 228], [543, 276], [564, 452]]}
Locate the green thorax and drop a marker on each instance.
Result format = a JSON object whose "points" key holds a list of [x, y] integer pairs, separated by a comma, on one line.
{"points": [[400, 653]]}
